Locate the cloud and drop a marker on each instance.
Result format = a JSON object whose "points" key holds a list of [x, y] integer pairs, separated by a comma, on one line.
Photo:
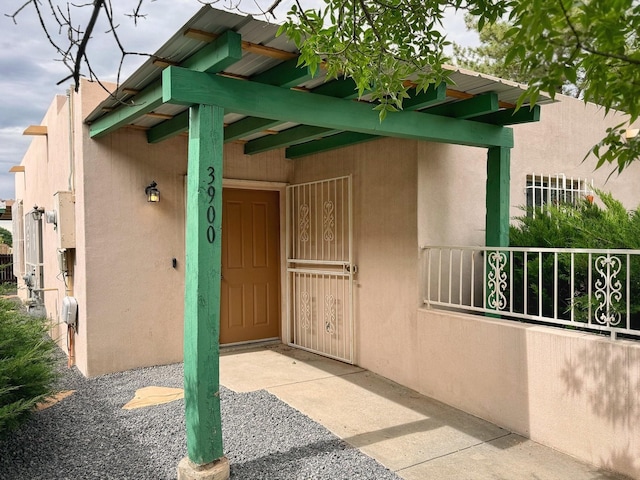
{"points": [[30, 68]]}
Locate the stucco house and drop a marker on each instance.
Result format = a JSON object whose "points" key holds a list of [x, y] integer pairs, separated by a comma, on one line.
{"points": [[325, 212]]}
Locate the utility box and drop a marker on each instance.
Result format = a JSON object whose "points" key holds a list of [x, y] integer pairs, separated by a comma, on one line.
{"points": [[65, 207], [69, 312]]}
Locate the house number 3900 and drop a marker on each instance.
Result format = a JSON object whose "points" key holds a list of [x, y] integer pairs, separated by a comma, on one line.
{"points": [[211, 210]]}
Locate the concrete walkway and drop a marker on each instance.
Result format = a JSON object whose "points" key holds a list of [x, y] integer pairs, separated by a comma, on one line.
{"points": [[413, 435]]}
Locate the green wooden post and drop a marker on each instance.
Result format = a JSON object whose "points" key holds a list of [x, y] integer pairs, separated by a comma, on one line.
{"points": [[202, 285], [497, 227], [497, 203]]}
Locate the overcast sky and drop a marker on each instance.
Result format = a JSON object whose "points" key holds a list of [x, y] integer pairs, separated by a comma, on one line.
{"points": [[30, 69]]}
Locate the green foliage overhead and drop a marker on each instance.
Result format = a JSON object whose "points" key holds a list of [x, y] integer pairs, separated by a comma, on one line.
{"points": [[389, 47], [380, 44], [27, 365], [490, 56], [556, 40]]}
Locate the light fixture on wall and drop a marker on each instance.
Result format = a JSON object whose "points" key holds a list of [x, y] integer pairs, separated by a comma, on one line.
{"points": [[152, 192]]}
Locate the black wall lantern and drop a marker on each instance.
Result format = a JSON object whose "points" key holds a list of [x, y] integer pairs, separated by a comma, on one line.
{"points": [[152, 192]]}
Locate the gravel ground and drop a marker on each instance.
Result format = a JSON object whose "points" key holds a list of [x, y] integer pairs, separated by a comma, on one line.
{"points": [[89, 436]]}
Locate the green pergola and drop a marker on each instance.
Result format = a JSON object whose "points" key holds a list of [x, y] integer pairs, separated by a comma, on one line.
{"points": [[326, 118]]}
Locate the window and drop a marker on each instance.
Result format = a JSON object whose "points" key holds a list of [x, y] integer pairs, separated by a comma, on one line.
{"points": [[555, 189]]}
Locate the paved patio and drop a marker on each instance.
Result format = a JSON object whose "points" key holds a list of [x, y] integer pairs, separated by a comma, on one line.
{"points": [[413, 435]]}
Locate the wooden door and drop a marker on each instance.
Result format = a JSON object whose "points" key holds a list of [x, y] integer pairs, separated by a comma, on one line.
{"points": [[250, 292]]}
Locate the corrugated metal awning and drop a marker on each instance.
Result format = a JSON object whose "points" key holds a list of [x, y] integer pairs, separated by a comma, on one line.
{"points": [[262, 50]]}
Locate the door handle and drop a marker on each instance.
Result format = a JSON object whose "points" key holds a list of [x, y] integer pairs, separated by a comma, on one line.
{"points": [[348, 268]]}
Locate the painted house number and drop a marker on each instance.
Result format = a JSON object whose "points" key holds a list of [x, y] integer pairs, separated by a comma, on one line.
{"points": [[211, 211]]}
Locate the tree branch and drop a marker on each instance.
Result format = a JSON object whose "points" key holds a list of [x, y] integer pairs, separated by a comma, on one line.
{"points": [[582, 46], [82, 48]]}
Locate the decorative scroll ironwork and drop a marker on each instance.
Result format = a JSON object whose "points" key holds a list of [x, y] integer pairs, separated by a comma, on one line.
{"points": [[608, 290], [305, 311], [328, 221], [330, 314], [496, 280], [305, 222]]}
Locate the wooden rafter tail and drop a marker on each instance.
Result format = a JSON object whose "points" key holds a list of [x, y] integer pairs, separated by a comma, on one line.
{"points": [[35, 130], [256, 48], [162, 116]]}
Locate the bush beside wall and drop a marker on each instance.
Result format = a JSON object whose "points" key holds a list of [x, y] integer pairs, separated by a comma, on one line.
{"points": [[27, 365]]}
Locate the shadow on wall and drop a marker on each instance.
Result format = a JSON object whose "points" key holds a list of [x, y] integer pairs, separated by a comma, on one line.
{"points": [[607, 377]]}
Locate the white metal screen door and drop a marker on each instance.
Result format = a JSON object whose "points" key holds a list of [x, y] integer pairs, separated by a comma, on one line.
{"points": [[320, 267]]}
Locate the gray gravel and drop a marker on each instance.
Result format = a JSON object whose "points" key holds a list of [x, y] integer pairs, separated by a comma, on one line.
{"points": [[89, 436]]}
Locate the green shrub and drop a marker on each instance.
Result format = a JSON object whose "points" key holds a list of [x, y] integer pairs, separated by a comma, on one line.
{"points": [[8, 288], [27, 365], [584, 225]]}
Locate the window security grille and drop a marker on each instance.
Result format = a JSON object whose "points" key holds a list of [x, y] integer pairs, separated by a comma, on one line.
{"points": [[555, 189]]}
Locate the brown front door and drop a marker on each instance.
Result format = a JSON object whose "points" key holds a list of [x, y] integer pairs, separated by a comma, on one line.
{"points": [[250, 296]]}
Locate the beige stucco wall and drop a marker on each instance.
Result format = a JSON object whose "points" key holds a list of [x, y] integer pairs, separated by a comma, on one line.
{"points": [[405, 193], [384, 176], [408, 194], [130, 296], [574, 391], [452, 179], [47, 168], [558, 144], [134, 295]]}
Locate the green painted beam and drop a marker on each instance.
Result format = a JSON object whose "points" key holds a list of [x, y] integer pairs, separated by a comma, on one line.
{"points": [[497, 197], [286, 75], [291, 136], [223, 52], [433, 94], [235, 131], [186, 87], [146, 101], [202, 285], [511, 116], [341, 88], [283, 75], [469, 108], [248, 126], [169, 128], [215, 57], [326, 144]]}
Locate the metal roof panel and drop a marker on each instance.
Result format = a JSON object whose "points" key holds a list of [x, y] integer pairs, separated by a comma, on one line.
{"points": [[208, 19]]}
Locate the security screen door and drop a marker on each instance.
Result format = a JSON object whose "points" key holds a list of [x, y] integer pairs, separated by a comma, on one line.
{"points": [[320, 267]]}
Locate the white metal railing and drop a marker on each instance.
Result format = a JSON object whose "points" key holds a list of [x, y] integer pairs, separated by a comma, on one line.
{"points": [[580, 288]]}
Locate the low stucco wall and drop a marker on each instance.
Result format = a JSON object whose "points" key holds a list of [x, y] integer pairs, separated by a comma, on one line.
{"points": [[576, 392]]}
